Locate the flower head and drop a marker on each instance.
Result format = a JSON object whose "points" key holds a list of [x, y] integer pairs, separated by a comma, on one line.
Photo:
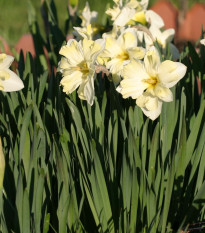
{"points": [[120, 51], [149, 83], [78, 67], [132, 12], [9, 81]]}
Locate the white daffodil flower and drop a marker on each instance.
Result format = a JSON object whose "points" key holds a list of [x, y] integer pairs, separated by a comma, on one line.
{"points": [[164, 38], [133, 12], [121, 13], [78, 67], [120, 51], [88, 17], [149, 83], [9, 81], [202, 41]]}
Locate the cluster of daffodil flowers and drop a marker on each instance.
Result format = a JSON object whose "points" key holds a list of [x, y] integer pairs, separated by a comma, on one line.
{"points": [[9, 82], [127, 53]]}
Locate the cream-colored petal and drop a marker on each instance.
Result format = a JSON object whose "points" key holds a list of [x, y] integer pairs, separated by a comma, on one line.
{"points": [[144, 4], [127, 40], [112, 48], [4, 75], [81, 91], [135, 69], [163, 38], [90, 49], [154, 19], [88, 16], [151, 106], [202, 41], [5, 61], [168, 35], [147, 101], [155, 31], [63, 64], [133, 4], [13, 83], [132, 88], [115, 65], [169, 73], [136, 53], [125, 15], [71, 82], [163, 93], [72, 52], [152, 61], [153, 114], [86, 32], [86, 89]]}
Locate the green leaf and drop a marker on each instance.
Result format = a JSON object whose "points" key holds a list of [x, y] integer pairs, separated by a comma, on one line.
{"points": [[26, 212]]}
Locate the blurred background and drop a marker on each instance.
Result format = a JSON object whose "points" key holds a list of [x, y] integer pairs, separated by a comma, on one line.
{"points": [[187, 17]]}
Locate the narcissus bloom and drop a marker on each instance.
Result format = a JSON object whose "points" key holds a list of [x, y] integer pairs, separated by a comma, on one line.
{"points": [[149, 83], [120, 51], [132, 12], [9, 81], [78, 67], [163, 38], [121, 13]]}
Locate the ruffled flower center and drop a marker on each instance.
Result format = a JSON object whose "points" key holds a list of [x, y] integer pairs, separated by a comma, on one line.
{"points": [[83, 68], [152, 81], [123, 56]]}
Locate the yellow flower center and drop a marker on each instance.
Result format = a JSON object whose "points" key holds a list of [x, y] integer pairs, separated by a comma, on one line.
{"points": [[83, 68], [152, 81], [123, 56]]}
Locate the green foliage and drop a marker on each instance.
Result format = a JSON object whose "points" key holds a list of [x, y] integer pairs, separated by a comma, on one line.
{"points": [[106, 168]]}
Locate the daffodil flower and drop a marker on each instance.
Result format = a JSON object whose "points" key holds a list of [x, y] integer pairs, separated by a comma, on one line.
{"points": [[78, 67], [122, 13], [9, 81], [120, 51], [163, 38], [88, 17], [149, 82], [134, 12]]}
